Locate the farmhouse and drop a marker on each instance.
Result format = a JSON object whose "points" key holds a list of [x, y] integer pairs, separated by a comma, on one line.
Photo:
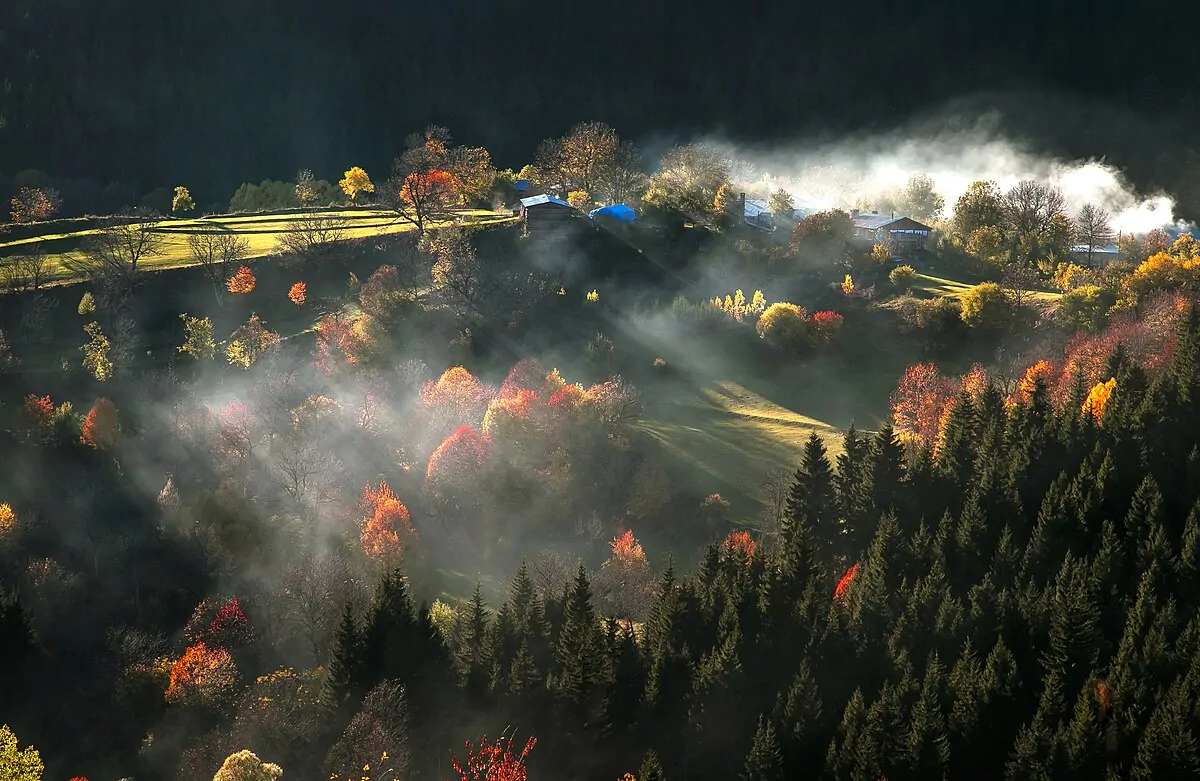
{"points": [[757, 214], [904, 232], [1095, 256]]}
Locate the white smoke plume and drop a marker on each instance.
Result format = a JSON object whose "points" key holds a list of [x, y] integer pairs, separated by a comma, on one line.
{"points": [[857, 171]]}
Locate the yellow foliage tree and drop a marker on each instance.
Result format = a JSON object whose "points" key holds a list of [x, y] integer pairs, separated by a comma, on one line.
{"points": [[579, 199], [848, 285], [18, 764], [1097, 399], [182, 202], [783, 324], [95, 353], [8, 518], [246, 766], [198, 340], [356, 182]]}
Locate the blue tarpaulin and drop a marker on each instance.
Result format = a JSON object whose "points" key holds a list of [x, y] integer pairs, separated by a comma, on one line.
{"points": [[618, 211], [522, 185]]}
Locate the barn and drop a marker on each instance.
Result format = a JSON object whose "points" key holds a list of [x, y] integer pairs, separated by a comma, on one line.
{"points": [[904, 232]]}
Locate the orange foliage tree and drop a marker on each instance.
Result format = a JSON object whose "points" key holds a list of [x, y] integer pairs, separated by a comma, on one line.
{"points": [[298, 293], [387, 530], [526, 374], [242, 281], [35, 420], [510, 416], [460, 456], [425, 195], [919, 401], [456, 398], [739, 546], [493, 761], [100, 427], [627, 551], [1097, 399], [1042, 370], [249, 341], [842, 590], [205, 675]]}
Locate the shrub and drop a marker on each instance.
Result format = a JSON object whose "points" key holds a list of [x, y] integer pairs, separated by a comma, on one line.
{"points": [[986, 307], [693, 314], [903, 277], [785, 325], [824, 325], [937, 314], [1085, 308]]}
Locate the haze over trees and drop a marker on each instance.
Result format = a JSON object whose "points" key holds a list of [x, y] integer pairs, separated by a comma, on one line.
{"points": [[325, 527]]}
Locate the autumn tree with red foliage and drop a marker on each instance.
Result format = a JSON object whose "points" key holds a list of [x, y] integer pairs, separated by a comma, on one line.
{"points": [[739, 546], [459, 457], [387, 529], [526, 374], [919, 401], [203, 674], [242, 281], [842, 590], [35, 420], [100, 427], [333, 344], [219, 623], [298, 293], [495, 761]]}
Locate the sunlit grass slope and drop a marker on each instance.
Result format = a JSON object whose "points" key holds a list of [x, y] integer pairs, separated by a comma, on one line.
{"points": [[261, 231]]}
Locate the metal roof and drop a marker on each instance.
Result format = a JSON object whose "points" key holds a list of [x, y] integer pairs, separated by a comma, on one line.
{"points": [[873, 221], [617, 211], [754, 208], [1110, 249], [538, 200]]}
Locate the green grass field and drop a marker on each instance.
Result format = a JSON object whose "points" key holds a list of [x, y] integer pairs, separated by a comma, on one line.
{"points": [[951, 288], [261, 231]]}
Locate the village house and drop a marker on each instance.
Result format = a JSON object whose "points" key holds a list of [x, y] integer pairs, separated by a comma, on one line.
{"points": [[903, 233]]}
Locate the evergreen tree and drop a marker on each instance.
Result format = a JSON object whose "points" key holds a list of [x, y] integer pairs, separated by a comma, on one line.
{"points": [[765, 761], [17, 649], [580, 649], [472, 652], [811, 503], [623, 696], [886, 471], [348, 678], [651, 769], [956, 451]]}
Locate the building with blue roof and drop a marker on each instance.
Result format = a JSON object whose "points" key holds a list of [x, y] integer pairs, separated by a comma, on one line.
{"points": [[617, 211], [1095, 256], [545, 213]]}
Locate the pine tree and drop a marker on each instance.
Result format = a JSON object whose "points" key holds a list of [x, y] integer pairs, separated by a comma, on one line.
{"points": [[472, 652], [811, 503], [651, 769], [800, 714], [579, 649], [765, 762], [349, 661], [956, 452], [623, 696], [885, 461], [391, 634], [17, 649], [1168, 745], [851, 491]]}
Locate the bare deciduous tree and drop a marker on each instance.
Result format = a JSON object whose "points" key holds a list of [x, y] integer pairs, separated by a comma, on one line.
{"points": [[311, 593], [311, 238], [1032, 210], [217, 252], [25, 272], [549, 571], [1094, 228], [380, 726], [1017, 280], [112, 258], [308, 473], [457, 273], [773, 490]]}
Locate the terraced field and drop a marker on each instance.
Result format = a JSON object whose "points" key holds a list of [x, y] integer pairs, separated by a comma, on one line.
{"points": [[261, 231]]}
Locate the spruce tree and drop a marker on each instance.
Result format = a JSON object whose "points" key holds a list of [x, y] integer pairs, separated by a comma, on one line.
{"points": [[886, 472], [347, 680], [580, 648], [765, 761], [811, 503], [956, 450], [651, 769], [472, 654]]}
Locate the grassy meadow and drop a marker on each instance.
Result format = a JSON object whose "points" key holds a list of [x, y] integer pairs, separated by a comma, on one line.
{"points": [[261, 231]]}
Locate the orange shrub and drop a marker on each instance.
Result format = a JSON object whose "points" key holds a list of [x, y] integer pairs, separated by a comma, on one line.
{"points": [[243, 281], [298, 293], [100, 428]]}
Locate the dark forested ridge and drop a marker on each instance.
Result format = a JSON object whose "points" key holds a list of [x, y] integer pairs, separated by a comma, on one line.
{"points": [[227, 91]]}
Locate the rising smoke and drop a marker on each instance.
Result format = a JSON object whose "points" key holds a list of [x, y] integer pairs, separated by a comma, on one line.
{"points": [[864, 170]]}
